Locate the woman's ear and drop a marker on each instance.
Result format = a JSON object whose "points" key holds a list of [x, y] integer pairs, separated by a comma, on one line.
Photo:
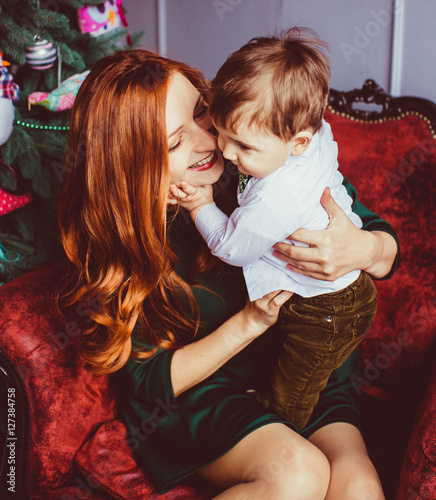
{"points": [[300, 142]]}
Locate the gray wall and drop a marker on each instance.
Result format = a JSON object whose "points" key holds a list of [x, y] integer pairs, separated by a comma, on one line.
{"points": [[391, 41]]}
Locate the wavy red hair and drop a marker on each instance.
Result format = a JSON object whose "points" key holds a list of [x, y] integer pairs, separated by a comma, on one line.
{"points": [[112, 211]]}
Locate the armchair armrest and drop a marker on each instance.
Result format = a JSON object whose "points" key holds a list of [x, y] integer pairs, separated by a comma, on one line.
{"points": [[59, 402]]}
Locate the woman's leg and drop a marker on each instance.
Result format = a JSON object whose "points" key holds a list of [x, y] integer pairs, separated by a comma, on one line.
{"points": [[352, 474], [271, 462]]}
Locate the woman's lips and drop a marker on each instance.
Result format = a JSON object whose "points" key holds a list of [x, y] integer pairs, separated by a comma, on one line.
{"points": [[208, 165]]}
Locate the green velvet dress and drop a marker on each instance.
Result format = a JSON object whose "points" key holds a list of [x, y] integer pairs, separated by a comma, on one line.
{"points": [[173, 438]]}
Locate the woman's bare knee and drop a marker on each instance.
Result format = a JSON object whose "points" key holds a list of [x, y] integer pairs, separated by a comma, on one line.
{"points": [[353, 475], [363, 486], [272, 462]]}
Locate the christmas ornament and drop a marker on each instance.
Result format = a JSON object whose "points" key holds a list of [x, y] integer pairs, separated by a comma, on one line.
{"points": [[9, 92], [10, 202], [41, 54], [102, 18], [7, 256], [61, 98]]}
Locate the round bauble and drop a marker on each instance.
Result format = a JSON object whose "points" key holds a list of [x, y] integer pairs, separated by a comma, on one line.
{"points": [[41, 54], [7, 113]]}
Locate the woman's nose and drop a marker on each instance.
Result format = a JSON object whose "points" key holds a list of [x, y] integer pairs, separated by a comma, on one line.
{"points": [[204, 139]]}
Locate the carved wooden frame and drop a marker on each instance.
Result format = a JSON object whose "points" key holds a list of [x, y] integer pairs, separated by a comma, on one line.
{"points": [[393, 108]]}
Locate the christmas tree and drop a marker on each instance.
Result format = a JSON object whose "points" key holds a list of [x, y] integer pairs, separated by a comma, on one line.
{"points": [[44, 43]]}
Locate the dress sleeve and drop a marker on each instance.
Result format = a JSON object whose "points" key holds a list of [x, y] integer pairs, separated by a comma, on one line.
{"points": [[151, 378], [372, 222]]}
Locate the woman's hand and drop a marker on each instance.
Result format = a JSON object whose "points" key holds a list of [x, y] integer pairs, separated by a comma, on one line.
{"points": [[264, 312], [338, 249], [196, 361]]}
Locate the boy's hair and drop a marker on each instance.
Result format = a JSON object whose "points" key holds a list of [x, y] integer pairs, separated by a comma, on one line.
{"points": [[278, 83]]}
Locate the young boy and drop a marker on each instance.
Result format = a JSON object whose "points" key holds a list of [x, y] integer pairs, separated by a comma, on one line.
{"points": [[267, 104]]}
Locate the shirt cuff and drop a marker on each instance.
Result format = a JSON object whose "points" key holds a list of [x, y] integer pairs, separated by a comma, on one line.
{"points": [[207, 218]]}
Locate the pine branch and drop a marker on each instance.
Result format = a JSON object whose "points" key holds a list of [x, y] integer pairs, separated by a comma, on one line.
{"points": [[77, 4], [49, 19], [8, 181], [72, 58]]}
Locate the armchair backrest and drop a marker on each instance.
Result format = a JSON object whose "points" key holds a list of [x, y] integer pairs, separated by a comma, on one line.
{"points": [[390, 157]]}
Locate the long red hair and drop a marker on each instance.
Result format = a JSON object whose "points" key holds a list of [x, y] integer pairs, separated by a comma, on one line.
{"points": [[112, 210]]}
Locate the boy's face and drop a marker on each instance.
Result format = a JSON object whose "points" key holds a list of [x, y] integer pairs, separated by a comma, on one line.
{"points": [[253, 150]]}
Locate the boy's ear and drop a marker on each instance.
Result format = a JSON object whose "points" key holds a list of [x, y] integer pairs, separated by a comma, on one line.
{"points": [[300, 142]]}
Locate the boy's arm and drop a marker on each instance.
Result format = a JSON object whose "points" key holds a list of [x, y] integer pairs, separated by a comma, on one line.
{"points": [[249, 232], [242, 238]]}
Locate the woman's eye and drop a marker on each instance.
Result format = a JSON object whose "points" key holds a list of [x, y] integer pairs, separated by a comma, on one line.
{"points": [[201, 112], [173, 148]]}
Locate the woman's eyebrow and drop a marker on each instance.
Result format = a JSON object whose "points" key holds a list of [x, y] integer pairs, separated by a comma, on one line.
{"points": [[175, 131]]}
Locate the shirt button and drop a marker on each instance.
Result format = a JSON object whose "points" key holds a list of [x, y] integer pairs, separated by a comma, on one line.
{"points": [[329, 319]]}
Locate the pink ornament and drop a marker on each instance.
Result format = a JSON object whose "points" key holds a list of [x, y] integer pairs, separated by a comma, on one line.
{"points": [[101, 18], [10, 202]]}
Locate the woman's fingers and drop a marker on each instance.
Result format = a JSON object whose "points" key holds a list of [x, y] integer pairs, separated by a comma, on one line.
{"points": [[276, 299], [294, 254], [330, 206], [282, 297]]}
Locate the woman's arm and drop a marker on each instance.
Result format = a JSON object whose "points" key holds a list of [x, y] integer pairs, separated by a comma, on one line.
{"points": [[342, 247], [193, 363]]}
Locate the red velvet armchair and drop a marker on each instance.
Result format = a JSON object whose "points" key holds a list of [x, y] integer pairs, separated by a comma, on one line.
{"points": [[63, 438]]}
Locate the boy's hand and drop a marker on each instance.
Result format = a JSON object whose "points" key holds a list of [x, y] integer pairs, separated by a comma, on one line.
{"points": [[191, 198]]}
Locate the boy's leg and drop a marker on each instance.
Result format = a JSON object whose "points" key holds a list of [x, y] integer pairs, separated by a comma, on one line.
{"points": [[319, 335]]}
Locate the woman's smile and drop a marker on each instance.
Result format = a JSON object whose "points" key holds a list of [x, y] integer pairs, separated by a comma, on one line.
{"points": [[206, 163]]}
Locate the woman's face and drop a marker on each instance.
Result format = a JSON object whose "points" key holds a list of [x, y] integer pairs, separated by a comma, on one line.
{"points": [[193, 151]]}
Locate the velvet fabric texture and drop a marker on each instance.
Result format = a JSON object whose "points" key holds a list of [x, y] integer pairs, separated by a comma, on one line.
{"points": [[67, 403], [392, 166], [418, 475], [78, 447], [106, 460]]}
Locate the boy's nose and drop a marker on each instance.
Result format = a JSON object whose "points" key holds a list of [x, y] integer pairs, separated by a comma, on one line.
{"points": [[229, 153], [226, 149]]}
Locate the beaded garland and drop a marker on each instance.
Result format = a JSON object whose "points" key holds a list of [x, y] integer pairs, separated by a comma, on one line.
{"points": [[42, 127]]}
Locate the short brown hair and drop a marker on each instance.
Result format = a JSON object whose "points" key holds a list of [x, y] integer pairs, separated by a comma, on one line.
{"points": [[279, 83]]}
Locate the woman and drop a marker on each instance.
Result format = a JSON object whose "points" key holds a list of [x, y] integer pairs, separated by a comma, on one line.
{"points": [[174, 318]]}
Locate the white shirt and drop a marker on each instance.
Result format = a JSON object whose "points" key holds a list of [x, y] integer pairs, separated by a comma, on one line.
{"points": [[273, 207]]}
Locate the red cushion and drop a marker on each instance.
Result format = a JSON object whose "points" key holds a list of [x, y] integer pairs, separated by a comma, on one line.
{"points": [[106, 460], [392, 166]]}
